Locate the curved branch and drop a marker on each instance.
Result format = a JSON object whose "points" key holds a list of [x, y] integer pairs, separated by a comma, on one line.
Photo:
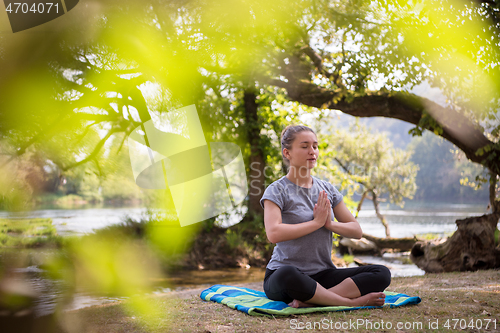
{"points": [[94, 153], [410, 108], [350, 173], [316, 59]]}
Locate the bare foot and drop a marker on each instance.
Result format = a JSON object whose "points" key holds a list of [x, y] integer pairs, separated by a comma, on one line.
{"points": [[371, 299], [299, 304]]}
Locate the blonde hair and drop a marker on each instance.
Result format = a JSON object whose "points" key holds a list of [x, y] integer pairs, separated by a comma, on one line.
{"points": [[288, 136]]}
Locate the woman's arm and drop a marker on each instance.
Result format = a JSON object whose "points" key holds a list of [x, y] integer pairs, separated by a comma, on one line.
{"points": [[347, 224], [277, 231]]}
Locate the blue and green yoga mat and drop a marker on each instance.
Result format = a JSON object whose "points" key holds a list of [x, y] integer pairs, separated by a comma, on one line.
{"points": [[255, 303]]}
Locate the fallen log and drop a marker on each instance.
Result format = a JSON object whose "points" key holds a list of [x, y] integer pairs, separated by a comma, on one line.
{"points": [[372, 244], [362, 245], [403, 244]]}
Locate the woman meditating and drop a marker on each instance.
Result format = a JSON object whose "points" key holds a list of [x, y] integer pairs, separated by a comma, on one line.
{"points": [[299, 212]]}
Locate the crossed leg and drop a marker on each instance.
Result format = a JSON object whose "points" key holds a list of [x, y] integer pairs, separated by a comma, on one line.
{"points": [[329, 287], [345, 293]]}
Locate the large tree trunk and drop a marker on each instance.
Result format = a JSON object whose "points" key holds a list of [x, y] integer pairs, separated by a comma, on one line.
{"points": [[470, 248], [256, 175], [493, 185]]}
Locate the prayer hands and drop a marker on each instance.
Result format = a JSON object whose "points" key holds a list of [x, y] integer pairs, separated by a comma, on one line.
{"points": [[329, 218], [322, 209]]}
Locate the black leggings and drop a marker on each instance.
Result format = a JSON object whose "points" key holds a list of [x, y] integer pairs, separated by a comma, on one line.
{"points": [[288, 282]]}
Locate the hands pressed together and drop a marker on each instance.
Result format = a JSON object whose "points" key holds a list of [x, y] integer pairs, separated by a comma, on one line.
{"points": [[323, 210], [346, 225]]}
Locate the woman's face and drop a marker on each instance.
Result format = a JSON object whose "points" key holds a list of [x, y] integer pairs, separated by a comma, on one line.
{"points": [[304, 152]]}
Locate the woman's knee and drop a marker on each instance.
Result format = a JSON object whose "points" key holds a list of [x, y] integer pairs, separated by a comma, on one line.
{"points": [[383, 276], [288, 283], [287, 275], [373, 279]]}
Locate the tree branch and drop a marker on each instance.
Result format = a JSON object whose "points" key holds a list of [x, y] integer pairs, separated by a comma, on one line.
{"points": [[316, 59], [94, 153], [410, 108], [21, 150], [349, 172]]}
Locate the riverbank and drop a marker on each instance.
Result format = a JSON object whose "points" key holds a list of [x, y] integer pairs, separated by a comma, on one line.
{"points": [[464, 300]]}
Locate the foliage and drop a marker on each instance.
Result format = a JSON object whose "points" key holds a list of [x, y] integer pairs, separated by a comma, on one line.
{"points": [[370, 163], [123, 260], [144, 61], [457, 44], [33, 177]]}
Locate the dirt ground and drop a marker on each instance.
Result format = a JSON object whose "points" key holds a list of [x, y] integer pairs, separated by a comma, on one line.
{"points": [[451, 302]]}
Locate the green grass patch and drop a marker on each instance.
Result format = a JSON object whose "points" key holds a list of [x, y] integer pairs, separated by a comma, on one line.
{"points": [[431, 235], [28, 233], [348, 258]]}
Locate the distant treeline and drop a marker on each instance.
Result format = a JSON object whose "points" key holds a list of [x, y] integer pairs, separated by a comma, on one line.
{"points": [[445, 174]]}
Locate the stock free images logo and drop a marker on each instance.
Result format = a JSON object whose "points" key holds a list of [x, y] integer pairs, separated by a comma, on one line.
{"points": [[175, 155], [25, 14]]}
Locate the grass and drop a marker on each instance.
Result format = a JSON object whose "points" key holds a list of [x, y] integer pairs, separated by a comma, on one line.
{"points": [[348, 258], [445, 297], [432, 236], [28, 233]]}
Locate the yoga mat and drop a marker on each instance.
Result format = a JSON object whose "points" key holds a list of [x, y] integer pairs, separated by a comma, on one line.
{"points": [[255, 303]]}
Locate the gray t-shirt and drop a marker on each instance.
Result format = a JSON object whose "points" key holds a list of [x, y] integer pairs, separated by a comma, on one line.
{"points": [[310, 253]]}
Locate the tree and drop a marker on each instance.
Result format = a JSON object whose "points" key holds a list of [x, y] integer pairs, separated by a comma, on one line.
{"points": [[360, 57], [99, 84], [322, 79], [322, 53], [371, 161]]}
